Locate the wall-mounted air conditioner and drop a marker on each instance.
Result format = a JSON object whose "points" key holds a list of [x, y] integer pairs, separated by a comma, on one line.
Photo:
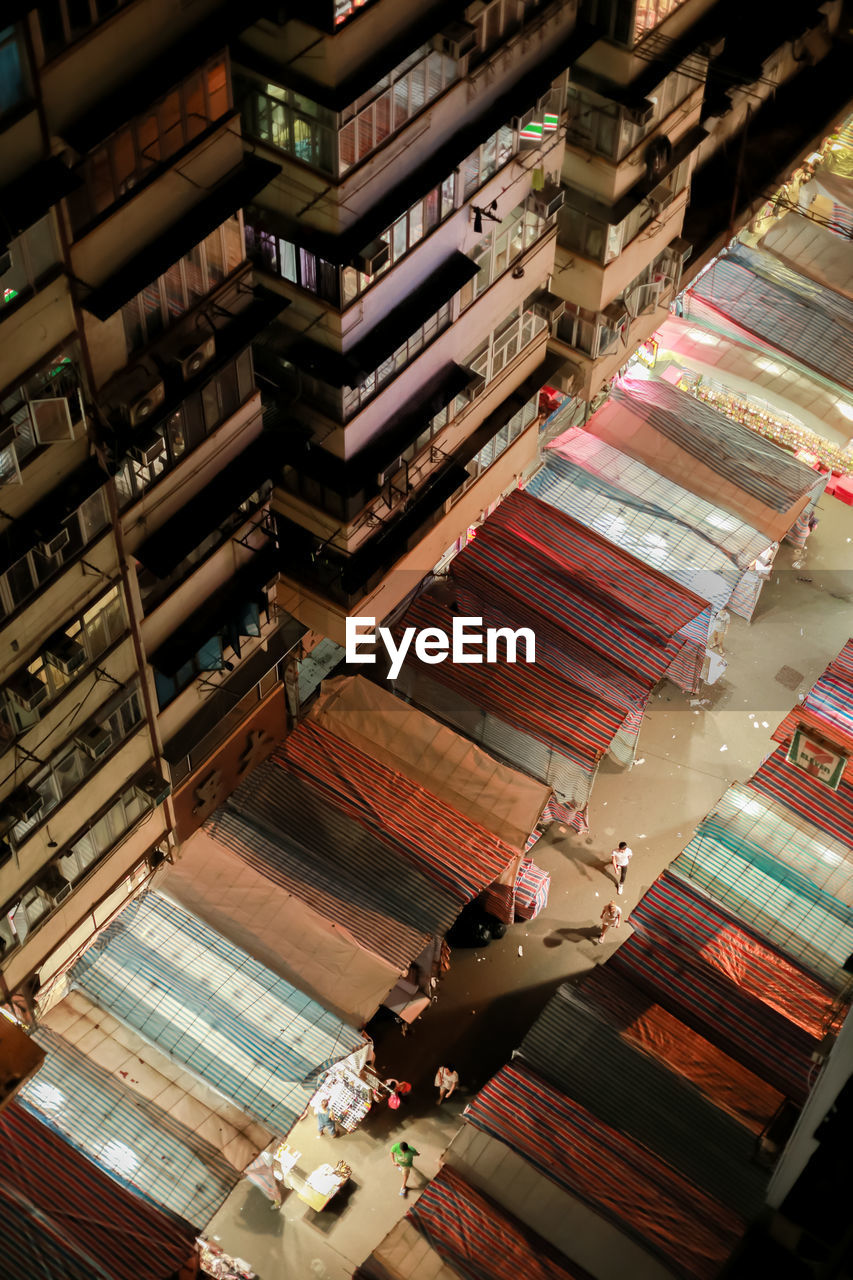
{"points": [[549, 306], [642, 115], [546, 202], [660, 198], [64, 653], [147, 451], [57, 542], [456, 40], [25, 804], [27, 690], [372, 258], [679, 250], [615, 315], [152, 787], [95, 741], [475, 386], [140, 395], [191, 358]]}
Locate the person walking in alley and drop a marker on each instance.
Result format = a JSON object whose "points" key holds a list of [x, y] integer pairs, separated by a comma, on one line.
{"points": [[403, 1156], [325, 1119], [620, 857], [611, 918], [446, 1080]]}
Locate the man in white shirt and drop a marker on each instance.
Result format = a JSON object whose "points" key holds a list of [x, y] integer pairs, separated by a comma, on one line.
{"points": [[620, 857]]}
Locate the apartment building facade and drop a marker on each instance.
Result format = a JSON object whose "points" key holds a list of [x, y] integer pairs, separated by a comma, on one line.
{"points": [[140, 645], [411, 230]]}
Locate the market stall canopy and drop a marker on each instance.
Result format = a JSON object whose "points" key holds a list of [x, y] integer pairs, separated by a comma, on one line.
{"points": [[460, 855], [356, 876], [720, 1079], [65, 1217], [239, 1027], [789, 881], [382, 727], [740, 993], [828, 706], [155, 1080], [576, 1050], [535, 1147], [454, 1232], [661, 523], [703, 451], [238, 881], [804, 245], [571, 579], [790, 312], [146, 1148]]}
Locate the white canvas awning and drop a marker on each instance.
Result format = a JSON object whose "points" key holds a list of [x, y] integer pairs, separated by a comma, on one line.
{"points": [[806, 246], [499, 798]]}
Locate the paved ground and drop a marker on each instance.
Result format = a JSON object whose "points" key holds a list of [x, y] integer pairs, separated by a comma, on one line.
{"points": [[687, 756]]}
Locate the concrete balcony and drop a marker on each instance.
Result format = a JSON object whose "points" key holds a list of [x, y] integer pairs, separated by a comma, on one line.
{"points": [[596, 372], [593, 285]]}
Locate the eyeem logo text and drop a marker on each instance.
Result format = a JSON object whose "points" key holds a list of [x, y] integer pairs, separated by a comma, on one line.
{"points": [[433, 645]]}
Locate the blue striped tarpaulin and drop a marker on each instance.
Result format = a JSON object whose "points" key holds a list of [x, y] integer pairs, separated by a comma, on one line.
{"points": [[239, 1027], [785, 309], [131, 1139], [776, 895], [660, 522], [65, 1218]]}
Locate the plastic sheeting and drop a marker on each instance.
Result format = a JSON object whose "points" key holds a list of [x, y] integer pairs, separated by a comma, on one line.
{"points": [[370, 718], [804, 245], [580, 1053], [458, 854], [210, 1006], [733, 989], [480, 1241], [64, 1217], [273, 923], [788, 311], [654, 519], [720, 1078], [704, 451], [140, 1145], [148, 1073], [642, 1195]]}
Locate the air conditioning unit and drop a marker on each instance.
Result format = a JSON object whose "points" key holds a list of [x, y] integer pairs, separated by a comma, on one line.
{"points": [[456, 40], [642, 115], [152, 787], [548, 306], [140, 396], [615, 315], [372, 258], [57, 542], [25, 804], [148, 450], [680, 250], [27, 691], [547, 201], [192, 359], [659, 199], [475, 386], [65, 654], [95, 741]]}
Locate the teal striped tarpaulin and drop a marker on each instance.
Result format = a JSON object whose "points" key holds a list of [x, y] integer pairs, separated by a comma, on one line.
{"points": [[139, 1144], [208, 1005]]}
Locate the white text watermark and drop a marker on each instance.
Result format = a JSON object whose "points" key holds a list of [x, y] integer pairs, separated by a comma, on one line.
{"points": [[468, 642]]}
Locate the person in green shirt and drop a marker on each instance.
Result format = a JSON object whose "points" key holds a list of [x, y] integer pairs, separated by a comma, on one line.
{"points": [[403, 1156]]}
